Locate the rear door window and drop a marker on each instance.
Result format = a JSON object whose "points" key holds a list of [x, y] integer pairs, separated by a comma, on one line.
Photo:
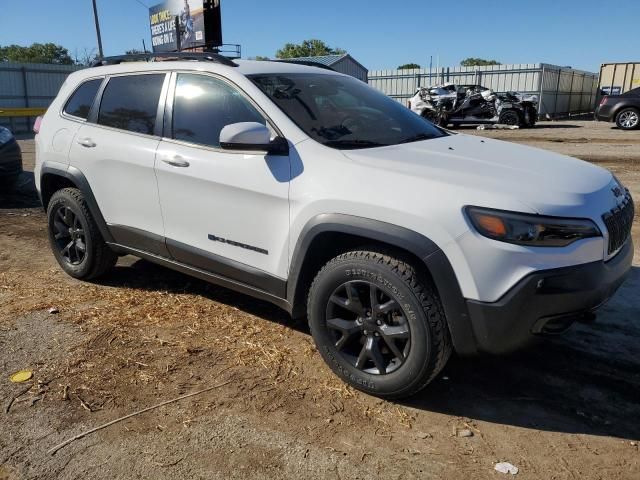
{"points": [[131, 102], [82, 99]]}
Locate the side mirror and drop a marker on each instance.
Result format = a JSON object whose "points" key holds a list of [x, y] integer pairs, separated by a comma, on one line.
{"points": [[252, 136]]}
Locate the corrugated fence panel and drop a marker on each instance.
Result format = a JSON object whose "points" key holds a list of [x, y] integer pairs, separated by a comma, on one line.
{"points": [[562, 90], [29, 85]]}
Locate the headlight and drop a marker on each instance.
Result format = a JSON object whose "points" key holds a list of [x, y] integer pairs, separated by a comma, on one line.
{"points": [[531, 230], [5, 135]]}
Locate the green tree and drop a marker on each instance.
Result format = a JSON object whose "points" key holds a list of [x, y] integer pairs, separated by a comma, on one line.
{"points": [[259, 58], [478, 62], [134, 51], [36, 53], [409, 66], [86, 58], [308, 48]]}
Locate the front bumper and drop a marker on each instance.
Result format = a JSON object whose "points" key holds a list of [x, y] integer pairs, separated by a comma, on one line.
{"points": [[10, 160], [546, 302]]}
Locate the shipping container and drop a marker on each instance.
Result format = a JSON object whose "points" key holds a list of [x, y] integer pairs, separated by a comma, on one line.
{"points": [[617, 78]]}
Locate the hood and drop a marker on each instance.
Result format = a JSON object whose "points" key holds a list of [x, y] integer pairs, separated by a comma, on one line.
{"points": [[546, 182]]}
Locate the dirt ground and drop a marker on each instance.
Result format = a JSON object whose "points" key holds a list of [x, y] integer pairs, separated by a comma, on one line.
{"points": [[567, 409]]}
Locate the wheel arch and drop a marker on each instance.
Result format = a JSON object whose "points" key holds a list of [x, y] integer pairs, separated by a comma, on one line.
{"points": [[53, 178], [623, 106], [327, 235]]}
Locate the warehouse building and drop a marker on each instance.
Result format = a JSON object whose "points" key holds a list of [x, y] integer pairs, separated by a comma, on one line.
{"points": [[340, 63]]}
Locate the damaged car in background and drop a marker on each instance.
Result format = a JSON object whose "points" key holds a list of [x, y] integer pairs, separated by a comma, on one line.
{"points": [[474, 104]]}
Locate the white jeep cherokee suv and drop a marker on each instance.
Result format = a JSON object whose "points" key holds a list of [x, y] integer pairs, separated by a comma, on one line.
{"points": [[400, 241]]}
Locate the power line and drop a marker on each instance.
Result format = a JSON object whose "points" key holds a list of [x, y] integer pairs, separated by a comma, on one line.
{"points": [[143, 4]]}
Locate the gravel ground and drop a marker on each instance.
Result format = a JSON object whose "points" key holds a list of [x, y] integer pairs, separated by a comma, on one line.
{"points": [[567, 409]]}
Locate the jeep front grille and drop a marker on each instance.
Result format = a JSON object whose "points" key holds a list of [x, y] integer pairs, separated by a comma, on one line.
{"points": [[618, 222]]}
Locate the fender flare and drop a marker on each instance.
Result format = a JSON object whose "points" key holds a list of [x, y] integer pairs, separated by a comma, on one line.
{"points": [[75, 176], [433, 258]]}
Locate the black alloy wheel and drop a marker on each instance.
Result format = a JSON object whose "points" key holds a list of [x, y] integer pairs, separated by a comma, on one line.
{"points": [[69, 235], [510, 117], [75, 238], [370, 329], [378, 322]]}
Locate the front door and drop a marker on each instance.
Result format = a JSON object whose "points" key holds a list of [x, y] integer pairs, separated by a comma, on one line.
{"points": [[225, 212]]}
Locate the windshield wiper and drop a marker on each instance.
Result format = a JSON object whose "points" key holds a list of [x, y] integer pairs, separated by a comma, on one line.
{"points": [[354, 144], [417, 138]]}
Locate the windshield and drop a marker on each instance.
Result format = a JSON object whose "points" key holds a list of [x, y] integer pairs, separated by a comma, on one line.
{"points": [[342, 112]]}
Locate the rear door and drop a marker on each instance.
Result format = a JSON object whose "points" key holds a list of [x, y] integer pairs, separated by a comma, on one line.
{"points": [[115, 150], [224, 211]]}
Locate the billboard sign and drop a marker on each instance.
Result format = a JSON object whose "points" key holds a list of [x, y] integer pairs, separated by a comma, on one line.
{"points": [[190, 15]]}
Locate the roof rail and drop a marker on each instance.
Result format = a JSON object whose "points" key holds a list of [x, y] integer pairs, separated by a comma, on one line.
{"points": [[150, 56], [307, 63]]}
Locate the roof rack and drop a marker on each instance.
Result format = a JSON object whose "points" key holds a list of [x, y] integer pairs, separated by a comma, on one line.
{"points": [[307, 63], [150, 56]]}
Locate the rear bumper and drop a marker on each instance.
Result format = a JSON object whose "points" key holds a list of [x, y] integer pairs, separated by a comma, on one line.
{"points": [[546, 302], [10, 160], [604, 114]]}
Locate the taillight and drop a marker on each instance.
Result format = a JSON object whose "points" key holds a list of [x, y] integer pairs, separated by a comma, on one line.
{"points": [[36, 125], [604, 100]]}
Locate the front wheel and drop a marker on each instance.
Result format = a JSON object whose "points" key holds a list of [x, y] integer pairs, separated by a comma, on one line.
{"points": [[510, 117], [628, 119], [378, 323], [530, 117]]}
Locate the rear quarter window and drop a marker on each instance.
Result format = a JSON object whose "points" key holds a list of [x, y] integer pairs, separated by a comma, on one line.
{"points": [[79, 104], [131, 102]]}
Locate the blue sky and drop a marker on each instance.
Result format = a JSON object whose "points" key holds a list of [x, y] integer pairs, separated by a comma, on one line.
{"points": [[377, 33]]}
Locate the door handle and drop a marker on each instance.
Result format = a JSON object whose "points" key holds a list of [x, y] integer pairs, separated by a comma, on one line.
{"points": [[176, 161], [86, 142]]}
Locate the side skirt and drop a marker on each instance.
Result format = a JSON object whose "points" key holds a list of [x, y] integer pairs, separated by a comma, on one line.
{"points": [[204, 275]]}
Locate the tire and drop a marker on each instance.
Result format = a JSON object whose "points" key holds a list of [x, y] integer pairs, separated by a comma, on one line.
{"points": [[531, 117], [74, 237], [399, 354], [510, 117], [628, 119]]}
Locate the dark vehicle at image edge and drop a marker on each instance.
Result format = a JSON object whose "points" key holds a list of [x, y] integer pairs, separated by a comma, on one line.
{"points": [[622, 109], [10, 158]]}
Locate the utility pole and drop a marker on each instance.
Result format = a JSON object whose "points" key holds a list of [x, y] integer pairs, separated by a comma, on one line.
{"points": [[95, 18]]}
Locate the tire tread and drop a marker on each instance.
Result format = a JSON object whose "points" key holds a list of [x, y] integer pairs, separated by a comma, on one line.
{"points": [[104, 258], [424, 291]]}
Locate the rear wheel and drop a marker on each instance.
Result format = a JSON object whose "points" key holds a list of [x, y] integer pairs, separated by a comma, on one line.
{"points": [[628, 119], [74, 236], [378, 323]]}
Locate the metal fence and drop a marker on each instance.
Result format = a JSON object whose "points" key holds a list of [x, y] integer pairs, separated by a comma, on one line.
{"points": [[563, 91], [24, 85]]}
